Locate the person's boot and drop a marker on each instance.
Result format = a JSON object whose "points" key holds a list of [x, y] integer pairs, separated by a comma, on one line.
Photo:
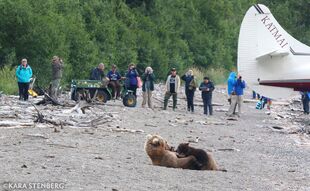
{"points": [[174, 105], [165, 104]]}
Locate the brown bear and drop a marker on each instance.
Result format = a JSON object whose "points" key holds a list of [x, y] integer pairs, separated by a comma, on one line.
{"points": [[205, 159], [160, 153]]}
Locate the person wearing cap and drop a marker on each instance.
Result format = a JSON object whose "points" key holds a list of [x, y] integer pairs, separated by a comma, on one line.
{"points": [[57, 69], [148, 78], [131, 78], [97, 73], [23, 74], [114, 78], [190, 88], [172, 87], [207, 88]]}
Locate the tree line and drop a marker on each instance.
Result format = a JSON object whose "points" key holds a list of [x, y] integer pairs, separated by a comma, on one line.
{"points": [[157, 33]]}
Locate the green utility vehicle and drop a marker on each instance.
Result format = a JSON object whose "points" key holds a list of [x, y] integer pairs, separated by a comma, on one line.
{"points": [[99, 90]]}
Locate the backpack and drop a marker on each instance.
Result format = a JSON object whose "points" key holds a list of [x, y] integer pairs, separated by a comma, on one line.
{"points": [[259, 105]]}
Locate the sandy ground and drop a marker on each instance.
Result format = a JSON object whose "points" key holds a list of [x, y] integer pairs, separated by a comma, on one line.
{"points": [[256, 156]]}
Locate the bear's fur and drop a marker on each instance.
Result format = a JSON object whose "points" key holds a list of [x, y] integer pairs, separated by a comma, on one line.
{"points": [[205, 159], [160, 153]]}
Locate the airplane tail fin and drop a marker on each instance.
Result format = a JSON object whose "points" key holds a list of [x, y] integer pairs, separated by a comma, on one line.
{"points": [[263, 46]]}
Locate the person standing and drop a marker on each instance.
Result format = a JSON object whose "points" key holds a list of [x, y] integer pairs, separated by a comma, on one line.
{"points": [[207, 88], [97, 73], [255, 95], [57, 69], [114, 78], [131, 78], [230, 84], [305, 96], [190, 88], [148, 78], [237, 96], [23, 74], [172, 87]]}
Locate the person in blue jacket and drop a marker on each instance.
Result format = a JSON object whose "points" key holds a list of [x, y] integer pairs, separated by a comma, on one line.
{"points": [[230, 84], [237, 96], [207, 88], [114, 78], [131, 78], [23, 74]]}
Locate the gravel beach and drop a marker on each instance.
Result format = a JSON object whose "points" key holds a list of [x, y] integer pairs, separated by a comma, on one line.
{"points": [[110, 155]]}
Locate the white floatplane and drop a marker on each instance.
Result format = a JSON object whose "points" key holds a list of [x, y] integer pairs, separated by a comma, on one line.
{"points": [[271, 61]]}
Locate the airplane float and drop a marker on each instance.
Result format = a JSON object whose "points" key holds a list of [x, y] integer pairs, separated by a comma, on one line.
{"points": [[271, 61]]}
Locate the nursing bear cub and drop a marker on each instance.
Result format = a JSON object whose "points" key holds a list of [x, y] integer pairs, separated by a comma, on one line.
{"points": [[205, 159], [186, 157], [161, 155]]}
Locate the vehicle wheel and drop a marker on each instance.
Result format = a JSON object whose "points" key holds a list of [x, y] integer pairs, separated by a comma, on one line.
{"points": [[130, 100], [102, 96]]}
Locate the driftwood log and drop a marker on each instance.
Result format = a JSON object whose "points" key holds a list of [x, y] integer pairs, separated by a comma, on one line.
{"points": [[48, 99]]}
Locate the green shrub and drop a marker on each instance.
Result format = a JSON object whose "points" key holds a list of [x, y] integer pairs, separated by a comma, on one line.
{"points": [[8, 82], [218, 76]]}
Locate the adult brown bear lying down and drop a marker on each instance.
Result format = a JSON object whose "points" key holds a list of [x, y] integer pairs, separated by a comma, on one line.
{"points": [[160, 153]]}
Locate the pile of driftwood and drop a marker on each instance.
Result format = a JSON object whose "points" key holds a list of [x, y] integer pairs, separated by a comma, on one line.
{"points": [[58, 115]]}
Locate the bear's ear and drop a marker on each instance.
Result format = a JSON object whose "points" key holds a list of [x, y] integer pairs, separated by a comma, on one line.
{"points": [[187, 144], [149, 136]]}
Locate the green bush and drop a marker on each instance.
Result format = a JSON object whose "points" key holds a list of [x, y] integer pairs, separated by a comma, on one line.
{"points": [[218, 76], [8, 81]]}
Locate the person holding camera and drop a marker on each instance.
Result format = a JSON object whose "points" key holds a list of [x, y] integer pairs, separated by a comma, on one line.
{"points": [[131, 78], [57, 70], [190, 88], [148, 78], [237, 96], [207, 88]]}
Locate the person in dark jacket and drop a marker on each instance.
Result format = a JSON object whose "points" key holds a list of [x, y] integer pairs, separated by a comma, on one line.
{"points": [[114, 78], [97, 73], [57, 68], [148, 78], [237, 96], [305, 96], [207, 88], [131, 78], [23, 74], [190, 88]]}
